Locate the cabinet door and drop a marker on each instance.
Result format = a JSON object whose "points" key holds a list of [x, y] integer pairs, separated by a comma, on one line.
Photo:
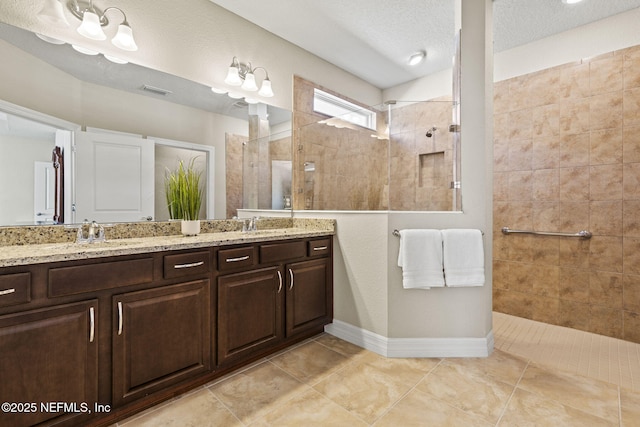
{"points": [[160, 337], [309, 296], [49, 355], [249, 312]]}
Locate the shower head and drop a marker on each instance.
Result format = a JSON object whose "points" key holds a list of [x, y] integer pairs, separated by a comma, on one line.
{"points": [[431, 131]]}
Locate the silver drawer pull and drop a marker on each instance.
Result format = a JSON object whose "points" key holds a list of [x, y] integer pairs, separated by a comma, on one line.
{"points": [[280, 280], [291, 277], [92, 322], [119, 318], [242, 258], [320, 248], [193, 264], [7, 291]]}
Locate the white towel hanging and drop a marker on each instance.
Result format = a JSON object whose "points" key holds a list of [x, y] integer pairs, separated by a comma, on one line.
{"points": [[420, 257]]}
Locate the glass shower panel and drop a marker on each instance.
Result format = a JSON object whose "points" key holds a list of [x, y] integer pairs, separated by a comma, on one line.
{"points": [[422, 154]]}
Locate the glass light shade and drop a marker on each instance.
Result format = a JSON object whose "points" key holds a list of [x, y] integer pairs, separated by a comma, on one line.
{"points": [[217, 90], [90, 27], [84, 50], [115, 59], [250, 100], [249, 83], [49, 39], [52, 13], [416, 58], [124, 38], [265, 89], [233, 77], [234, 95]]}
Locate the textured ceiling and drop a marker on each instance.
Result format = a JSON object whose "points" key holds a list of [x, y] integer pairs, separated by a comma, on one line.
{"points": [[373, 39]]}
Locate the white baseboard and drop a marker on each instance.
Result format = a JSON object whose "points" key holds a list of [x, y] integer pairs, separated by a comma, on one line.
{"points": [[412, 347]]}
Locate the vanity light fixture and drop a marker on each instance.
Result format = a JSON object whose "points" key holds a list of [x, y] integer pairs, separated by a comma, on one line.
{"points": [[243, 75], [417, 57], [93, 19], [571, 1], [52, 12]]}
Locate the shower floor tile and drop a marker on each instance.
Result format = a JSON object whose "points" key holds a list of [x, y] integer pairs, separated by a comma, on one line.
{"points": [[583, 353]]}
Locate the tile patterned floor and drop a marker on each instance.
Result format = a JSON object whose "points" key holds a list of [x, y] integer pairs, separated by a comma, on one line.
{"points": [[325, 381]]}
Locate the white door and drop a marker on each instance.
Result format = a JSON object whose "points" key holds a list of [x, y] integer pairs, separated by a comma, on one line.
{"points": [[114, 177], [44, 192]]}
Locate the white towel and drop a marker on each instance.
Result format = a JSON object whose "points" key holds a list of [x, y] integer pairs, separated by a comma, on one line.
{"points": [[463, 257], [420, 257]]}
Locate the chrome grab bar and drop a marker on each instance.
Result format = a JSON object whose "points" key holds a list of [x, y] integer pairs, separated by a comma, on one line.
{"points": [[582, 234]]}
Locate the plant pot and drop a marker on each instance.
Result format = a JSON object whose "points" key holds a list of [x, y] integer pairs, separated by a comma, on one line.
{"points": [[190, 228]]}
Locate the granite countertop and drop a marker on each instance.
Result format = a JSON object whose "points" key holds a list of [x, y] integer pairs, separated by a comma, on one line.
{"points": [[25, 254]]}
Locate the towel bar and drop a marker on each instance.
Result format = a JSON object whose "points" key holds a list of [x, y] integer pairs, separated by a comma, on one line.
{"points": [[582, 234], [396, 233]]}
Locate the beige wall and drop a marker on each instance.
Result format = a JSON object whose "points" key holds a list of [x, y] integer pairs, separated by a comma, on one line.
{"points": [[567, 158]]}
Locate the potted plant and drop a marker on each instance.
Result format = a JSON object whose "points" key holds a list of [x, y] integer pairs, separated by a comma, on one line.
{"points": [[184, 196]]}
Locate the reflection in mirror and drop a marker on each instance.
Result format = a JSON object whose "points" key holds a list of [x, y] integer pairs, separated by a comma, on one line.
{"points": [[409, 162], [91, 91]]}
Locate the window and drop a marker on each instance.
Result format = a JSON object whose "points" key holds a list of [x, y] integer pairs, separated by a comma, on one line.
{"points": [[331, 105]]}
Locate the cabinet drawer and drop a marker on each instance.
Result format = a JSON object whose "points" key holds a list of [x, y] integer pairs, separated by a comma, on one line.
{"points": [[231, 259], [319, 247], [15, 289], [94, 277], [275, 252], [181, 265]]}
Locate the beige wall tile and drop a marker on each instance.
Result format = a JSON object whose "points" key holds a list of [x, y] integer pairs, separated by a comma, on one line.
{"points": [[631, 218], [545, 153], [574, 81], [631, 290], [631, 321], [573, 285], [631, 107], [574, 183], [606, 321], [520, 154], [605, 289], [606, 218], [631, 254], [574, 150], [605, 111], [606, 146], [631, 176], [631, 144], [605, 75], [605, 182], [605, 253], [574, 116]]}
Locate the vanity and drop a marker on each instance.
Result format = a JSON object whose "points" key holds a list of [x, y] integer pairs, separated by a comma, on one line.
{"points": [[92, 334]]}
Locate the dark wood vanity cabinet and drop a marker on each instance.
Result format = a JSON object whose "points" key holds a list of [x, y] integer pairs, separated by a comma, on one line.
{"points": [[309, 297], [49, 358], [249, 313], [276, 300], [167, 322], [160, 336]]}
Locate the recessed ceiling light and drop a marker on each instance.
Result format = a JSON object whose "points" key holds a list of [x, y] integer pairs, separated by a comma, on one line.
{"points": [[571, 1], [417, 57]]}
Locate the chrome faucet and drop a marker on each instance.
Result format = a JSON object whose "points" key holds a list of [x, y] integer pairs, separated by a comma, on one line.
{"points": [[95, 232], [250, 224]]}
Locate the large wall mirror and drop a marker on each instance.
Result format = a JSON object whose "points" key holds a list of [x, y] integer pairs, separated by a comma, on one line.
{"points": [[128, 124]]}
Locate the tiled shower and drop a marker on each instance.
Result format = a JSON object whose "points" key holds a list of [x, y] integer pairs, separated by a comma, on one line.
{"points": [[567, 158]]}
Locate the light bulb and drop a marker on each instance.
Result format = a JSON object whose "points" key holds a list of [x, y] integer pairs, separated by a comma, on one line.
{"points": [[233, 77], [124, 38], [90, 27], [249, 83], [265, 89]]}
